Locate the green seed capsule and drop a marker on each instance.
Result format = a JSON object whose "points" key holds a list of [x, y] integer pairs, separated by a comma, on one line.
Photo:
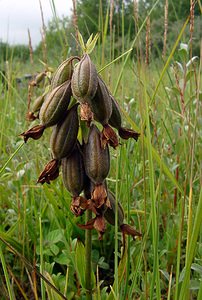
{"points": [[96, 158], [84, 80], [101, 104], [63, 73], [55, 104], [64, 135], [109, 213], [73, 173]]}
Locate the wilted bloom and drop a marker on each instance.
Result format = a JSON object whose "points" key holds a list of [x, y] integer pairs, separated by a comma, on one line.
{"points": [[126, 133], [97, 223], [79, 205], [34, 133], [50, 172]]}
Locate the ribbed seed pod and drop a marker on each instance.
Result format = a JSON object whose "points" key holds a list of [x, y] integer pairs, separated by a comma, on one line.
{"points": [[55, 104], [109, 213], [84, 80], [115, 118], [37, 103], [73, 172], [63, 73], [116, 122], [96, 159], [101, 104], [52, 110], [33, 114], [74, 178], [64, 135]]}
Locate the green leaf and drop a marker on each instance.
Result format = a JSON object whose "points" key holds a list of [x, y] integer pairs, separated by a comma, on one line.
{"points": [[80, 262], [91, 46], [63, 258], [54, 249], [192, 61], [89, 40], [54, 236], [121, 271], [197, 268], [189, 75], [81, 42]]}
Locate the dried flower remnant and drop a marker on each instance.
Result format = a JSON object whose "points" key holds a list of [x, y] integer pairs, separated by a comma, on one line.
{"points": [[35, 132], [97, 223], [50, 172]]}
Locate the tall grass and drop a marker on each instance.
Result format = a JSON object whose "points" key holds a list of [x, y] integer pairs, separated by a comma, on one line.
{"points": [[36, 220]]}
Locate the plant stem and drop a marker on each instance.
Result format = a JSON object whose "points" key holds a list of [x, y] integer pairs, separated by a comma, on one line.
{"points": [[88, 247]]}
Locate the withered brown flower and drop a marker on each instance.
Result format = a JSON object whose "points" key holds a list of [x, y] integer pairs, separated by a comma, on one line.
{"points": [[50, 172], [34, 133]]}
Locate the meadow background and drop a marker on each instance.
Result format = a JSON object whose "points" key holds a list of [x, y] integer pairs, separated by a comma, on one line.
{"points": [[149, 54]]}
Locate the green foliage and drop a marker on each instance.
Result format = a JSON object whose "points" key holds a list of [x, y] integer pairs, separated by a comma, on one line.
{"points": [[7, 51]]}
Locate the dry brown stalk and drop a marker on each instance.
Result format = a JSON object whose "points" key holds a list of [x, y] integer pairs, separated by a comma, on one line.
{"points": [[135, 10], [191, 24], [165, 27], [148, 45], [75, 20], [43, 34], [30, 47]]}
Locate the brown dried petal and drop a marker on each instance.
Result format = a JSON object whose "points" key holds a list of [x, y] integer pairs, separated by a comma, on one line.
{"points": [[126, 133], [86, 113], [127, 229], [98, 223], [99, 196], [34, 133], [50, 172], [79, 205], [109, 137], [30, 116]]}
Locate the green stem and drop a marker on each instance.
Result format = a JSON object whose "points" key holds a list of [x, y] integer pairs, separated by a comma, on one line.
{"points": [[88, 247]]}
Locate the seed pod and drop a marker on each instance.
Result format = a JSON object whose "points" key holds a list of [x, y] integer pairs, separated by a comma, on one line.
{"points": [[33, 114], [109, 214], [37, 103], [101, 104], [63, 73], [55, 104], [73, 172], [64, 135], [84, 80], [116, 122], [40, 77], [115, 118], [96, 159]]}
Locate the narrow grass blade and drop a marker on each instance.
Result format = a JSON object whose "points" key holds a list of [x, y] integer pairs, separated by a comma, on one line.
{"points": [[9, 287]]}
